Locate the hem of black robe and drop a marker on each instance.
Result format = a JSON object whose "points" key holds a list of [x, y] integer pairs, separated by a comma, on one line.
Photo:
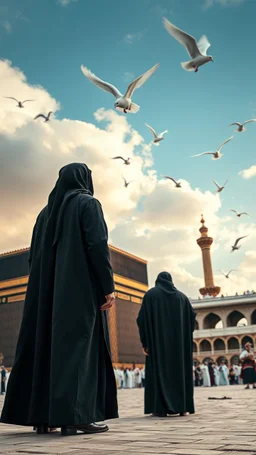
{"points": [[169, 412], [98, 418]]}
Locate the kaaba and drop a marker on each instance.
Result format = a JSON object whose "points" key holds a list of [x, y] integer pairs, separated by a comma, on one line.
{"points": [[131, 283]]}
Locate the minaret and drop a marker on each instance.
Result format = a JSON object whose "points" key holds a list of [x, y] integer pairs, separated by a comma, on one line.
{"points": [[205, 244]]}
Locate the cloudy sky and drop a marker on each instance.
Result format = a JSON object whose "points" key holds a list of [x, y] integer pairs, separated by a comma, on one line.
{"points": [[41, 51]]}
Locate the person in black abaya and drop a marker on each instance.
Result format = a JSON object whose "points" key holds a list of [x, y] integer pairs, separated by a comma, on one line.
{"points": [[166, 324], [63, 339]]}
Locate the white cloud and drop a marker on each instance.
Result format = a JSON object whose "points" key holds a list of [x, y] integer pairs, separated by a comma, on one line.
{"points": [[224, 3], [248, 173], [151, 218], [66, 2], [131, 38], [6, 25]]}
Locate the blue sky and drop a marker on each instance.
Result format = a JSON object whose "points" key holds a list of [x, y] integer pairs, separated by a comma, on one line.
{"points": [[118, 40]]}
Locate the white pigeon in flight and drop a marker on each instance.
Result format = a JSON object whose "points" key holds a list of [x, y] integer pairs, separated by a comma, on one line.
{"points": [[177, 184], [156, 137], [227, 274], [123, 102], [219, 187], [239, 214], [236, 246], [216, 155], [240, 126], [196, 50]]}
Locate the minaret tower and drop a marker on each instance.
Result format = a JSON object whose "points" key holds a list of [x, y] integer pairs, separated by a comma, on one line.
{"points": [[205, 244]]}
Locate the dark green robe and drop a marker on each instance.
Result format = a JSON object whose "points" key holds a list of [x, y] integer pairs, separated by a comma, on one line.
{"points": [[62, 374], [166, 324]]}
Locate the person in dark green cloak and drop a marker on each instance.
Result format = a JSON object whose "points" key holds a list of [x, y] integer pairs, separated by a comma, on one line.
{"points": [[166, 324], [62, 375]]}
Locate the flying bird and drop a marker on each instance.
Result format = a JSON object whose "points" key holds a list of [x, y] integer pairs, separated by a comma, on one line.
{"points": [[216, 155], [20, 103], [196, 50], [126, 184], [227, 274], [235, 246], [177, 184], [220, 188], [126, 161], [123, 102], [240, 126], [239, 214], [46, 118], [157, 138]]}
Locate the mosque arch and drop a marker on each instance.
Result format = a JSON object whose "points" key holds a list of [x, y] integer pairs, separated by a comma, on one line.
{"points": [[233, 343], [211, 320], [196, 326], [221, 359], [247, 339], [253, 317], [205, 346], [219, 344], [236, 318], [194, 347]]}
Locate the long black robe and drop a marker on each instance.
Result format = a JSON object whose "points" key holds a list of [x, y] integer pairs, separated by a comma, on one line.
{"points": [[166, 324], [62, 374]]}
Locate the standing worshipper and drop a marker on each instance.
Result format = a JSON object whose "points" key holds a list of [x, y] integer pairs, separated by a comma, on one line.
{"points": [[3, 379], [166, 324], [211, 373], [223, 374], [63, 337], [198, 376], [129, 378], [143, 377], [248, 366], [206, 375], [216, 374]]}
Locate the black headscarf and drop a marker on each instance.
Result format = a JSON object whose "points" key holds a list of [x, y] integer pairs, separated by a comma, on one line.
{"points": [[73, 179], [165, 283]]}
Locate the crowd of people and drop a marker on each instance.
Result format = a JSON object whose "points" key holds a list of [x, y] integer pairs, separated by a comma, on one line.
{"points": [[129, 378], [210, 374]]}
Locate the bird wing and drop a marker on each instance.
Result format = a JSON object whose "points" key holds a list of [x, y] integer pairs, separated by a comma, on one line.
{"points": [[25, 101], [240, 238], [170, 178], [39, 115], [225, 182], [11, 98], [49, 113], [163, 132], [118, 158], [100, 83], [235, 123], [244, 213], [223, 273], [218, 186], [232, 210], [251, 120], [204, 153], [223, 143], [152, 130], [187, 40], [232, 270], [203, 45], [139, 81]]}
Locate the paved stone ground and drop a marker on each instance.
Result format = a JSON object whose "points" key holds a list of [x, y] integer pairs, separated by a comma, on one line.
{"points": [[225, 427]]}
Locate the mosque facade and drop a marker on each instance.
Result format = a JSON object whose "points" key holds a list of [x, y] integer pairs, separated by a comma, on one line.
{"points": [[131, 283], [223, 324]]}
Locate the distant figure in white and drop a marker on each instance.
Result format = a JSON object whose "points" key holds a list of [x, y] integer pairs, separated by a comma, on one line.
{"points": [[216, 375], [223, 374], [137, 372], [206, 375]]}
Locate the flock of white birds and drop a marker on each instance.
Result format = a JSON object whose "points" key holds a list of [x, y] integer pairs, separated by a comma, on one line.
{"points": [[123, 102]]}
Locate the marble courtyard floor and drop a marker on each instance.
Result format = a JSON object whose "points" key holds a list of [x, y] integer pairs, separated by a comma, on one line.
{"points": [[225, 427]]}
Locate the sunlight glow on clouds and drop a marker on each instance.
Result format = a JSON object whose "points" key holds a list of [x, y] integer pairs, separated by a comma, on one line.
{"points": [[151, 218]]}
